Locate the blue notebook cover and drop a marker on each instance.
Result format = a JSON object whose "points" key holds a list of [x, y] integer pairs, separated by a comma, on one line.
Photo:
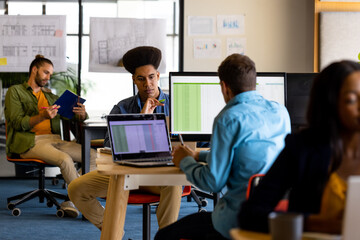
{"points": [[67, 101]]}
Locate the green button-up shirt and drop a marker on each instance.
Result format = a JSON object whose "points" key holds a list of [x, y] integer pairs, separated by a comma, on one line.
{"points": [[20, 105]]}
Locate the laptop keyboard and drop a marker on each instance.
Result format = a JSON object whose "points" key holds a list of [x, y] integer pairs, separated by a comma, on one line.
{"points": [[151, 160]]}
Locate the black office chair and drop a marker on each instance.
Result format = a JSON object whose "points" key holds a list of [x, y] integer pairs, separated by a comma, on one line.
{"points": [[200, 196], [41, 192]]}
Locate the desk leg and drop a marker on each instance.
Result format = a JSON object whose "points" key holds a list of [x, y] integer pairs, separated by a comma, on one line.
{"points": [[115, 209], [85, 151]]}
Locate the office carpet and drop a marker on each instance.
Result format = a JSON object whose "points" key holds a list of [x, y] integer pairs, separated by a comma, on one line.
{"points": [[38, 222]]}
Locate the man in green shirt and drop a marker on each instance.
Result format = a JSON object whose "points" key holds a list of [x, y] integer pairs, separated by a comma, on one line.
{"points": [[33, 125]]}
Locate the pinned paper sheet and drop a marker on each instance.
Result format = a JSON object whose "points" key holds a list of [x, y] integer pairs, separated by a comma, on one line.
{"points": [[231, 24], [58, 33], [236, 45], [207, 48], [3, 61], [24, 36]]}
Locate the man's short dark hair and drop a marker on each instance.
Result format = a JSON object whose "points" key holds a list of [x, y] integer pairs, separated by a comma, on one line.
{"points": [[238, 72], [141, 56]]}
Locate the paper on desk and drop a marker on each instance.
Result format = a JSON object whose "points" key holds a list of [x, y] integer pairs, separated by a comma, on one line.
{"points": [[95, 120]]}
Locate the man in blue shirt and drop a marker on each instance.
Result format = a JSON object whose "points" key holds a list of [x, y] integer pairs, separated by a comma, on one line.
{"points": [[247, 136], [142, 63]]}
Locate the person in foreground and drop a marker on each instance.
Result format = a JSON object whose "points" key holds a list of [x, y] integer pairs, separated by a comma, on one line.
{"points": [[247, 136], [316, 162], [142, 63], [33, 125]]}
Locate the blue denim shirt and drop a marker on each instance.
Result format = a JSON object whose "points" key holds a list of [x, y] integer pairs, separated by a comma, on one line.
{"points": [[248, 134], [134, 105]]}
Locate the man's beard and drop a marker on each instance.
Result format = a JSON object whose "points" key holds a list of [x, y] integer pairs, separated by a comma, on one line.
{"points": [[39, 81]]}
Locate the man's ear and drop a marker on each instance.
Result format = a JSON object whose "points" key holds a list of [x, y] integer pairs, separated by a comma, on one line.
{"points": [[224, 88], [34, 69], [226, 91], [158, 75]]}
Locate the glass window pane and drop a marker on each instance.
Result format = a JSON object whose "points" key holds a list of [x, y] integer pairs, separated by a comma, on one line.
{"points": [[71, 10], [25, 8], [148, 9], [104, 90], [172, 54], [72, 49], [97, 10]]}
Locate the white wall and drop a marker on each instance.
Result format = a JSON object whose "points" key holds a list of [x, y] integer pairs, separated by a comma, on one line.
{"points": [[279, 33]]}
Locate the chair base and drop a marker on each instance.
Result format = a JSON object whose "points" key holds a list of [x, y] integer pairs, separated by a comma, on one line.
{"points": [[42, 193], [200, 198], [49, 195]]}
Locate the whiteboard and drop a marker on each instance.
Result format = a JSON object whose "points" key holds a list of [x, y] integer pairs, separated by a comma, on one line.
{"points": [[278, 35], [111, 38], [23, 37], [339, 37]]}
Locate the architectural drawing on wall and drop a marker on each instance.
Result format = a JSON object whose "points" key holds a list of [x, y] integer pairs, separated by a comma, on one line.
{"points": [[231, 24], [23, 37], [111, 38], [339, 36], [207, 48], [201, 25], [235, 45]]}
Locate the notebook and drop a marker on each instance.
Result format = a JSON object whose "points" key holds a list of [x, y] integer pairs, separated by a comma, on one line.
{"points": [[67, 101], [140, 140], [351, 230]]}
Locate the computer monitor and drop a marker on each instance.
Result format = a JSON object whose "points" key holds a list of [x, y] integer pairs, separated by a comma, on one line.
{"points": [[196, 99], [298, 94]]}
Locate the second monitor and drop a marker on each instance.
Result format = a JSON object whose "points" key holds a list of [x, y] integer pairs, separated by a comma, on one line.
{"points": [[196, 99]]}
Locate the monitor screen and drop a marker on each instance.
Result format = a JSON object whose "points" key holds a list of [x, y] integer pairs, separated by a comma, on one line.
{"points": [[196, 99], [298, 93]]}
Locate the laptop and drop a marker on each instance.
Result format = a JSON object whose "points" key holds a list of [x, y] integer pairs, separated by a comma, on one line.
{"points": [[139, 140], [351, 230]]}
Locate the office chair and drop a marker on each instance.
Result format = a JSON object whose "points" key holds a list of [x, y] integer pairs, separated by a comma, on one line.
{"points": [[254, 180], [147, 200], [200, 198], [41, 192]]}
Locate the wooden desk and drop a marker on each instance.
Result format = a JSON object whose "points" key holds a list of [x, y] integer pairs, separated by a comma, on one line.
{"points": [[97, 130], [124, 178], [91, 130], [238, 234]]}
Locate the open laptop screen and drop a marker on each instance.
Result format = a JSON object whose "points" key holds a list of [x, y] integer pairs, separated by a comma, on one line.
{"points": [[138, 136]]}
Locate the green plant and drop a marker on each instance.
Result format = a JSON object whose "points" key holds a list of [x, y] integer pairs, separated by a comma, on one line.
{"points": [[11, 78], [61, 81]]}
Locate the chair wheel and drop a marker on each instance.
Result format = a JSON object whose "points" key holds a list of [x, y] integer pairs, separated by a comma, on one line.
{"points": [[16, 212], [60, 213], [55, 181], [202, 210], [49, 203], [10, 206], [204, 203]]}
